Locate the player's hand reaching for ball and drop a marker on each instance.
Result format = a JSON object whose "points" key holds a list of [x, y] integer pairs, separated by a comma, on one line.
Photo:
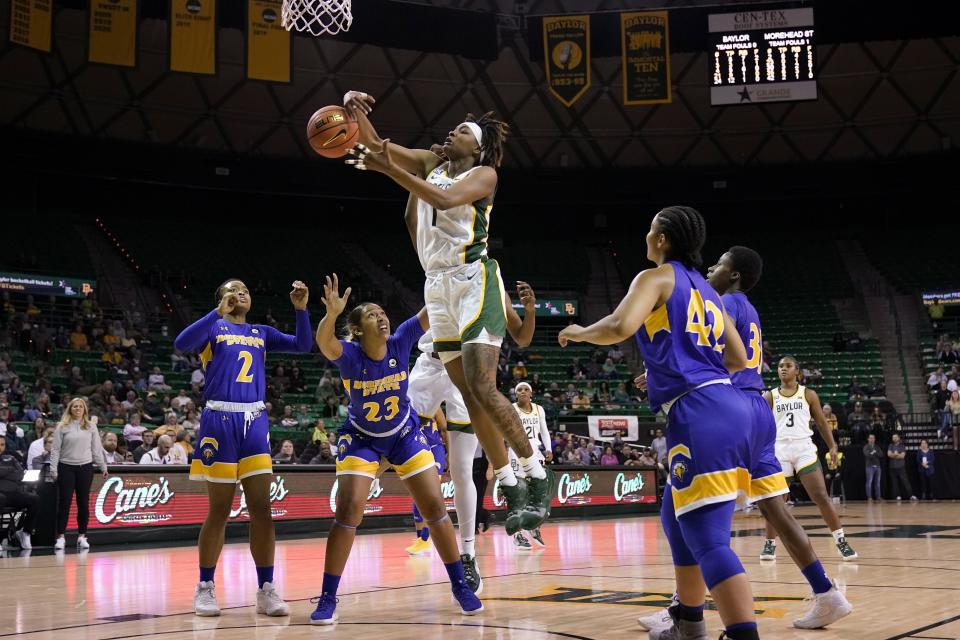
{"points": [[570, 334], [358, 102], [299, 295], [364, 158], [332, 300], [527, 297]]}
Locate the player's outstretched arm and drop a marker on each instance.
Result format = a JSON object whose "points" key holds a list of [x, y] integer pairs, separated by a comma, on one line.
{"points": [[418, 161], [326, 336], [194, 337], [299, 343], [522, 329], [648, 289]]}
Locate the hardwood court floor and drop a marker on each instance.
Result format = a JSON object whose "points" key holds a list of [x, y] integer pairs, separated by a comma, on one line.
{"points": [[592, 581]]}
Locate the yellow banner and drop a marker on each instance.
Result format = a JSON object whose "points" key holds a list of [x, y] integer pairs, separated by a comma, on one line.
{"points": [[644, 37], [31, 23], [193, 36], [113, 32], [268, 43]]}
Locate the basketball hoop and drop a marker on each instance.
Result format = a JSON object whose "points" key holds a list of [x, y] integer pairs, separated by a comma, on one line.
{"points": [[317, 16]]}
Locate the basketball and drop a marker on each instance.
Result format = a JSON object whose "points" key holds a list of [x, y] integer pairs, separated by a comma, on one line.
{"points": [[332, 132]]}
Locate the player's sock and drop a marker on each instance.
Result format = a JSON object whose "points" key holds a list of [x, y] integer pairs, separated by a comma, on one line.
{"points": [[817, 577], [331, 583], [455, 571], [207, 573], [506, 476], [424, 534], [533, 468], [469, 547], [838, 535], [743, 631], [692, 614], [264, 574]]}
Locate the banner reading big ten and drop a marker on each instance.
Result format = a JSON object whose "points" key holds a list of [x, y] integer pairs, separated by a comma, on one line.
{"points": [[170, 498]]}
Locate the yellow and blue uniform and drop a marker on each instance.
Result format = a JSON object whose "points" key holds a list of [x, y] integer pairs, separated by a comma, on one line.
{"points": [[380, 422], [435, 440], [233, 440], [766, 474]]}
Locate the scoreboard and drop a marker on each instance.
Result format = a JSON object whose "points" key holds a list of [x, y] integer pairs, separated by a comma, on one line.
{"points": [[762, 56]]}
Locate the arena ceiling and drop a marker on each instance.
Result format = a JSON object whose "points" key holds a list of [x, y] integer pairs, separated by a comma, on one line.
{"points": [[878, 99]]}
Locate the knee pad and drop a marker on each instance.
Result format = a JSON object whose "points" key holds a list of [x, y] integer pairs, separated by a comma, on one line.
{"points": [[682, 557], [718, 564], [707, 534]]}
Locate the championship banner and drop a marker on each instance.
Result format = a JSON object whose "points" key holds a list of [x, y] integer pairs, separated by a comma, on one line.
{"points": [[606, 427], [155, 497], [31, 23], [113, 32], [268, 43], [566, 48], [193, 36], [645, 47]]}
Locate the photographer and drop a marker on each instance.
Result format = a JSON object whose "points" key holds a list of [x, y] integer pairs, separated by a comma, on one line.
{"points": [[13, 495]]}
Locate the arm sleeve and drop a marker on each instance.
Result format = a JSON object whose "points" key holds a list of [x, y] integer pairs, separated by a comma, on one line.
{"points": [[55, 449], [348, 361], [408, 334], [544, 432], [97, 450], [285, 343], [197, 334]]}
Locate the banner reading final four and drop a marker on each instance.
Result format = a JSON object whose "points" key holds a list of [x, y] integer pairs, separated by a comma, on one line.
{"points": [[566, 49], [646, 57], [113, 32], [31, 23], [268, 43], [193, 36]]}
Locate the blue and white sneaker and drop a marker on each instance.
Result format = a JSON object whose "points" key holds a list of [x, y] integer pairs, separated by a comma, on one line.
{"points": [[470, 604], [326, 611]]}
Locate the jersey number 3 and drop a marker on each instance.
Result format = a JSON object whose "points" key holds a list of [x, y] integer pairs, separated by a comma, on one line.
{"points": [[245, 375], [697, 312], [755, 349], [392, 404]]}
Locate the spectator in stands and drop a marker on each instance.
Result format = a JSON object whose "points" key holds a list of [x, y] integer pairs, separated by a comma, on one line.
{"points": [[76, 449], [589, 390], [288, 420], [286, 455], [811, 374], [41, 462], [197, 377], [936, 311], [133, 431], [111, 356], [191, 422], [170, 426], [6, 373], [953, 406], [182, 447], [570, 394], [620, 397], [647, 459], [110, 453], [324, 456], [15, 392], [178, 361], [298, 383], [78, 339], [897, 454], [153, 405], [872, 455], [581, 403], [947, 354], [878, 421], [938, 376], [855, 391], [36, 445], [551, 410], [520, 372], [615, 354], [603, 395], [940, 397], [859, 422], [659, 447], [103, 395], [13, 495], [576, 370], [319, 434], [160, 454], [583, 453], [876, 389], [76, 381], [16, 445], [156, 381], [343, 409], [609, 458], [179, 402], [831, 418], [537, 385], [149, 439], [609, 370], [925, 459]]}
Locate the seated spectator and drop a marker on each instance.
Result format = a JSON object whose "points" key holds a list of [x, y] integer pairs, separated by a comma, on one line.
{"points": [[576, 371], [191, 422], [947, 354], [111, 356], [169, 427], [620, 396], [859, 422], [582, 453], [146, 445], [298, 383], [16, 445], [609, 371], [179, 402], [325, 456], [877, 389], [603, 395], [609, 458], [319, 432], [41, 461], [551, 409], [110, 453], [615, 354], [855, 391], [286, 455], [78, 339], [156, 381], [197, 377], [76, 381], [570, 394], [13, 495], [536, 385], [581, 403], [520, 371], [159, 455], [936, 378], [182, 447], [953, 406], [153, 405], [589, 390], [133, 431], [36, 446], [812, 374], [831, 418], [289, 420], [343, 409], [647, 458], [939, 405], [130, 401]]}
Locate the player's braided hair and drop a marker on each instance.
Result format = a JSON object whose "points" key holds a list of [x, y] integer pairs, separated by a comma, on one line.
{"points": [[686, 230], [494, 136], [218, 294], [749, 264]]}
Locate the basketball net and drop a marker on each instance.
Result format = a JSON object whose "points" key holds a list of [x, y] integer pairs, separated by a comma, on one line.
{"points": [[317, 16]]}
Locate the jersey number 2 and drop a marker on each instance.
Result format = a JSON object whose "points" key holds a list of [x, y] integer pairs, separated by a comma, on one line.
{"points": [[697, 312], [392, 403], [245, 375]]}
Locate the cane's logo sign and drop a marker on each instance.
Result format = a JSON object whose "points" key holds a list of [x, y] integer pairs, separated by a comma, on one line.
{"points": [[375, 492], [627, 489], [133, 500], [277, 493], [574, 490]]}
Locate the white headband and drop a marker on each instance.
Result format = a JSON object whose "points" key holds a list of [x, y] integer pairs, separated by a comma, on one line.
{"points": [[523, 384], [477, 133]]}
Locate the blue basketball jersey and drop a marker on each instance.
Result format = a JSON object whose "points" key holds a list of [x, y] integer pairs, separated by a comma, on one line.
{"points": [[233, 355], [681, 341], [378, 388], [747, 321]]}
